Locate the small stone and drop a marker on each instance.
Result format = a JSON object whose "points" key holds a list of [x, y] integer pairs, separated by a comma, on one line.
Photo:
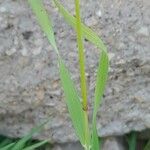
{"points": [[16, 41], [120, 62], [1, 19], [143, 31], [10, 51], [36, 51], [111, 55], [40, 94], [130, 73], [57, 148], [2, 9], [147, 122], [24, 52], [99, 13], [145, 69], [2, 111], [117, 88], [121, 46], [92, 21]]}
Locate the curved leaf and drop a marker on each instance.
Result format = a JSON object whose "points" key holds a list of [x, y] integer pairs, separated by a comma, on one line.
{"points": [[44, 21], [73, 101], [72, 98], [21, 143], [37, 145], [147, 147], [7, 147], [102, 68]]}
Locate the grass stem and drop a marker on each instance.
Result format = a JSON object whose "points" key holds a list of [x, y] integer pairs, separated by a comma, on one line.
{"points": [[82, 74], [81, 55], [132, 140]]}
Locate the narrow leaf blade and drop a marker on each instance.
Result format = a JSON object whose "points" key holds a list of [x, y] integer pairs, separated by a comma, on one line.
{"points": [[44, 21], [37, 145], [95, 139], [102, 69], [101, 80], [21, 143], [99, 90], [147, 147], [7, 147], [73, 101], [87, 32], [92, 37], [132, 139], [5, 142]]}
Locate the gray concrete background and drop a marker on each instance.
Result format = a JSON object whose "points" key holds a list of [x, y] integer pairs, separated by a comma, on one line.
{"points": [[29, 81]]}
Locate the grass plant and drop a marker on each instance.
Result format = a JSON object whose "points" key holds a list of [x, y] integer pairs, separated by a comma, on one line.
{"points": [[132, 142], [22, 144], [132, 139], [77, 105], [147, 147]]}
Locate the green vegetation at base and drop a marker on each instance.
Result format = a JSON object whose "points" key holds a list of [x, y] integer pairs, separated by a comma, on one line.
{"points": [[24, 143]]}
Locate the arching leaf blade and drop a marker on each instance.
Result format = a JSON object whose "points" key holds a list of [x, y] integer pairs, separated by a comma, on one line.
{"points": [[102, 72], [37, 145], [87, 32], [21, 143], [101, 80], [44, 21], [94, 138], [147, 147], [7, 147], [73, 101]]}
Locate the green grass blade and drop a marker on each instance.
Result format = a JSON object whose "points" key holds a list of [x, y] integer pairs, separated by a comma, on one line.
{"points": [[102, 69], [32, 147], [81, 55], [7, 147], [73, 101], [87, 32], [99, 90], [95, 139], [21, 143], [82, 73], [132, 139], [44, 21], [147, 147], [92, 37], [102, 74], [5, 142]]}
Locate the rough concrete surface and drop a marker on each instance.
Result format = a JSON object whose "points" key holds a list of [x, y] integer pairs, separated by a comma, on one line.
{"points": [[67, 146], [113, 143], [29, 81]]}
